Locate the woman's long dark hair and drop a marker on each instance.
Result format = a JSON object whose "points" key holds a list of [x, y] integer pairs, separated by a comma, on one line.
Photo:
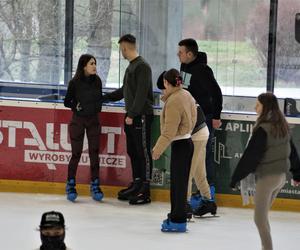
{"points": [[82, 62], [272, 114]]}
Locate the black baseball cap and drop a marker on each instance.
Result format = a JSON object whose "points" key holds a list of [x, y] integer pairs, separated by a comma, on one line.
{"points": [[52, 219]]}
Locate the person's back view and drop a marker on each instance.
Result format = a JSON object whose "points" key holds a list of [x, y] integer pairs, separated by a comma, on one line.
{"points": [[52, 231]]}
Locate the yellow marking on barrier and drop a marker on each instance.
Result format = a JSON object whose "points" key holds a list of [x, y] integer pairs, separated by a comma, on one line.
{"points": [[163, 195]]}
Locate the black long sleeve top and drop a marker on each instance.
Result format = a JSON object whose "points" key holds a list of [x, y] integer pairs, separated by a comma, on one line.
{"points": [[253, 155], [84, 96], [136, 90]]}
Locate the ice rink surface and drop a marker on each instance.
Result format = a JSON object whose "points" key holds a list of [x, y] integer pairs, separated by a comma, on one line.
{"points": [[115, 225]]}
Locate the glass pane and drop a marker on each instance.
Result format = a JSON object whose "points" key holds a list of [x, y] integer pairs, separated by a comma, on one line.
{"points": [[234, 34], [125, 20], [287, 69], [95, 22], [32, 41]]}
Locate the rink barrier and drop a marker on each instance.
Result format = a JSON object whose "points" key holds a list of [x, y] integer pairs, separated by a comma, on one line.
{"points": [[161, 195], [35, 152]]}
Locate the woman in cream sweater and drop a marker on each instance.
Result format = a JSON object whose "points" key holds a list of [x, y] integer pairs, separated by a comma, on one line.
{"points": [[177, 121]]}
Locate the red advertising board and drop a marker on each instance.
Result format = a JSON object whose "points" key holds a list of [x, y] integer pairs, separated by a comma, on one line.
{"points": [[35, 145]]}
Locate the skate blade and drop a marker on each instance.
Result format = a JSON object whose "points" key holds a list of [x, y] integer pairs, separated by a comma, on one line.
{"points": [[173, 231], [206, 216], [140, 202], [190, 221]]}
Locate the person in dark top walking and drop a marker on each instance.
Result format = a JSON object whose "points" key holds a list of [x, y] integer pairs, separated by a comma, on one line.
{"points": [[138, 96], [199, 80], [269, 154], [84, 97]]}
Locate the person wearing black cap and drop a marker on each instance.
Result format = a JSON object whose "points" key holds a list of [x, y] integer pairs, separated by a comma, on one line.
{"points": [[52, 231], [138, 97], [177, 120], [199, 80]]}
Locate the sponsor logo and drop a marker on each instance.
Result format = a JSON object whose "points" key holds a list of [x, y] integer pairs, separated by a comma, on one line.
{"points": [[54, 148], [219, 150], [239, 127]]}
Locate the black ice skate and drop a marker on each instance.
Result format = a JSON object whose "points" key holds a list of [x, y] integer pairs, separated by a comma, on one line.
{"points": [[142, 196], [208, 206], [125, 193]]}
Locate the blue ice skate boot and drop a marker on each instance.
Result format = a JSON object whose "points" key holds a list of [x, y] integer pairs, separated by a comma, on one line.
{"points": [[172, 227], [212, 192], [96, 191], [195, 201], [71, 190]]}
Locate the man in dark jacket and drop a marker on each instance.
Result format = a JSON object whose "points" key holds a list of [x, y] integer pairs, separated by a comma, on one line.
{"points": [[199, 80], [138, 96]]}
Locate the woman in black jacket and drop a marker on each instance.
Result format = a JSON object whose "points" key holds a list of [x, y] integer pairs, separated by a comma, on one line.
{"points": [[269, 154], [84, 97]]}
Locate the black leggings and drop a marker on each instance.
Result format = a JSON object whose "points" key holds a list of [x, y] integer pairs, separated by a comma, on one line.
{"points": [[181, 157], [77, 127]]}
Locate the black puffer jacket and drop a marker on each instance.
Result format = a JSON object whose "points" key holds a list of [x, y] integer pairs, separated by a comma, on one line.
{"points": [[84, 96]]}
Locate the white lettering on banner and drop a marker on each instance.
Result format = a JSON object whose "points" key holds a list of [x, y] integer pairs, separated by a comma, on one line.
{"points": [[12, 126], [240, 127], [110, 131], [64, 137], [55, 157], [115, 161], [36, 140], [238, 155], [50, 137]]}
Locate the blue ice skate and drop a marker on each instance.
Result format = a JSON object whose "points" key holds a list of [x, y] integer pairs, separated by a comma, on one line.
{"points": [[172, 227], [71, 190], [212, 193], [96, 191], [195, 201]]}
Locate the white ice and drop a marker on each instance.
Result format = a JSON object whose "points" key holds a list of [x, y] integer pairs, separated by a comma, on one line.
{"points": [[113, 224]]}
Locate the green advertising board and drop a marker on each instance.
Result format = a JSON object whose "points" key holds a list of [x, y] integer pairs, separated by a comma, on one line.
{"points": [[228, 145]]}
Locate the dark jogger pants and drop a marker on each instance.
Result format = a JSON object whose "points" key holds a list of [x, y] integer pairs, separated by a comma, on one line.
{"points": [[138, 142], [77, 127]]}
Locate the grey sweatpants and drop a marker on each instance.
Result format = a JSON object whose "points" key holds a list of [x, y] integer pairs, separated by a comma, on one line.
{"points": [[267, 188]]}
